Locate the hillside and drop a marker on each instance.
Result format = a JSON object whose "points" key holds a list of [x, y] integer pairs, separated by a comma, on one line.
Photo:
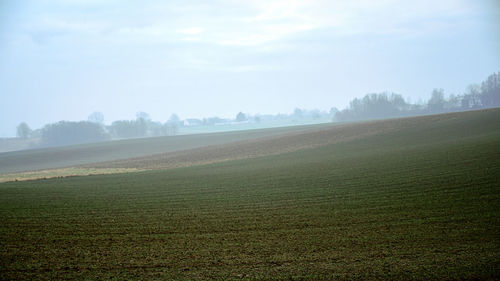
{"points": [[58, 157], [422, 129], [183, 151], [415, 199]]}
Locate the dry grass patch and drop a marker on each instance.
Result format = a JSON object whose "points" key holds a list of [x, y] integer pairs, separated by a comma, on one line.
{"points": [[62, 173]]}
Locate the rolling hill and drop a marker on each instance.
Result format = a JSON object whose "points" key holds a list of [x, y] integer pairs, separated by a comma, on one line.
{"points": [[405, 199], [59, 157]]}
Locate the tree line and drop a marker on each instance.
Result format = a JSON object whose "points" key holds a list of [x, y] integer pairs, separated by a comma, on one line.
{"points": [[389, 105], [94, 130], [371, 106]]}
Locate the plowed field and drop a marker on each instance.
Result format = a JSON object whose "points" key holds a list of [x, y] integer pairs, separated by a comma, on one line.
{"points": [[406, 199]]}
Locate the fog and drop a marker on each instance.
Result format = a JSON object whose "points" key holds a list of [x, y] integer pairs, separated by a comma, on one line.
{"points": [[207, 61], [371, 106]]}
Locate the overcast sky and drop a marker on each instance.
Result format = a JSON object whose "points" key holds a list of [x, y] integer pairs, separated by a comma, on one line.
{"points": [[62, 60]]}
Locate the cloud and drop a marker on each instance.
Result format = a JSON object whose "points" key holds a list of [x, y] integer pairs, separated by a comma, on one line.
{"points": [[353, 16], [191, 30], [233, 28], [252, 23]]}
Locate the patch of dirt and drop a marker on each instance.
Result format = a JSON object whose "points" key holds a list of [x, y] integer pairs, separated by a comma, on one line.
{"points": [[63, 173]]}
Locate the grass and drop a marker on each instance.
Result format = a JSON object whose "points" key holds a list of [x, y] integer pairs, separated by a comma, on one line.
{"points": [[63, 172], [421, 202]]}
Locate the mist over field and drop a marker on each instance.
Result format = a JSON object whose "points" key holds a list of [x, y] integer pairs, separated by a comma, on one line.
{"points": [[371, 106], [249, 140], [63, 60]]}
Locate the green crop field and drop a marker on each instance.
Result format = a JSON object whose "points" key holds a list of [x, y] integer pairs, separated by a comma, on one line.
{"points": [[417, 199]]}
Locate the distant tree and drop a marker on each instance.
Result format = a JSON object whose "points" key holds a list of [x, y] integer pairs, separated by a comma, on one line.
{"points": [[155, 129], [490, 91], [123, 129], [66, 133], [385, 106], [158, 129], [96, 117], [437, 101], [453, 103], [315, 114], [23, 131], [397, 101], [141, 127], [472, 97], [373, 106], [129, 128], [377, 106], [240, 117], [174, 119], [298, 113], [170, 129], [142, 115], [333, 111]]}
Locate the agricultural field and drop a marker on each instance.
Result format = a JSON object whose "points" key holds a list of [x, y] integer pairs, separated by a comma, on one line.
{"points": [[405, 199], [59, 157]]}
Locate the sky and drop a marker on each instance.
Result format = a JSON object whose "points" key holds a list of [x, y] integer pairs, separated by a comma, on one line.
{"points": [[64, 59]]}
